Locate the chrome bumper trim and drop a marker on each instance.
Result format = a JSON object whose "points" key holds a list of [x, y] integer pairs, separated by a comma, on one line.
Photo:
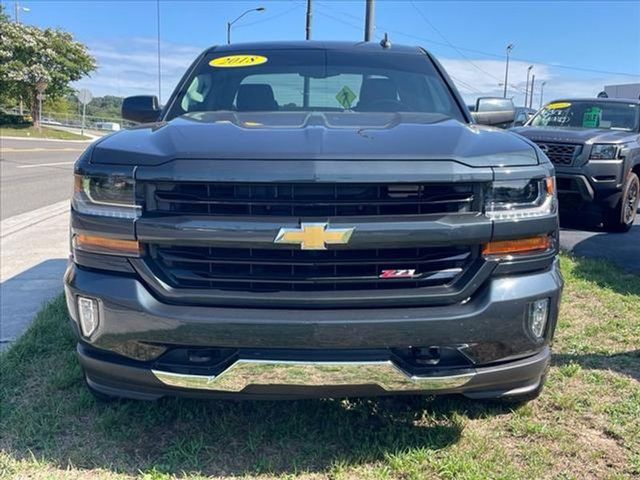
{"points": [[243, 373]]}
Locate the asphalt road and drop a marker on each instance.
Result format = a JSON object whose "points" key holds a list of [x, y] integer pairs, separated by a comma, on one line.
{"points": [[35, 173], [622, 249]]}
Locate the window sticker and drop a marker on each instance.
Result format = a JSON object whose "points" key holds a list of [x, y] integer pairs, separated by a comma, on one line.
{"points": [[346, 97], [238, 61], [591, 117], [558, 106]]}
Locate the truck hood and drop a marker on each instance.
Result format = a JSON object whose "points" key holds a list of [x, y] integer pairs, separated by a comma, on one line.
{"points": [[572, 135], [314, 136]]}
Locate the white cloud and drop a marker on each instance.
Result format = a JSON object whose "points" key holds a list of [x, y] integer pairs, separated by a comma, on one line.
{"points": [[129, 67], [486, 78]]}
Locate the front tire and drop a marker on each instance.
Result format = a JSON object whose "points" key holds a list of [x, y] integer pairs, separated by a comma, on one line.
{"points": [[621, 217]]}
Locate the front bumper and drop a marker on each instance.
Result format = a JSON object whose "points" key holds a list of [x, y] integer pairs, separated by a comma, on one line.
{"points": [[124, 356], [595, 185]]}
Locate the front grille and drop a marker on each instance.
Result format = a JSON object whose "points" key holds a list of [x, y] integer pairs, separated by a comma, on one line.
{"points": [[309, 200], [268, 270], [561, 153]]}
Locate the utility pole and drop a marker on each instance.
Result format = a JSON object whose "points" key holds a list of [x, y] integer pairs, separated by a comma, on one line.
{"points": [[369, 21], [542, 93], [526, 89], [533, 82], [306, 87], [506, 70], [309, 18], [159, 68]]}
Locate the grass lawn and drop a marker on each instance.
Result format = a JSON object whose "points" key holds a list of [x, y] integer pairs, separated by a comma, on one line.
{"points": [[586, 424], [33, 132]]}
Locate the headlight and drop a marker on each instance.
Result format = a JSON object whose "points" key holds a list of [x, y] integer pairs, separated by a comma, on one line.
{"points": [[514, 199], [603, 151], [107, 195]]}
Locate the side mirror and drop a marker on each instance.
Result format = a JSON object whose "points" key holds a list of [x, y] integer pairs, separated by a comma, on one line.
{"points": [[141, 109], [494, 111]]}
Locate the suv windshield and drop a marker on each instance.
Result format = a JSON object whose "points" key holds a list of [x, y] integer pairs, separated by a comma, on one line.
{"points": [[588, 114], [315, 80]]}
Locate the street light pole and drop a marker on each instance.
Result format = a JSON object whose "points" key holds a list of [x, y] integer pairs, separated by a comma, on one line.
{"points": [[542, 92], [526, 88], [41, 86], [506, 70], [19, 9], [229, 24], [533, 82]]}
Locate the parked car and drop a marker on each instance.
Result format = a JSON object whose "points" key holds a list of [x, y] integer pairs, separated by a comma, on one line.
{"points": [[520, 117], [595, 146], [313, 219], [523, 114], [111, 126]]}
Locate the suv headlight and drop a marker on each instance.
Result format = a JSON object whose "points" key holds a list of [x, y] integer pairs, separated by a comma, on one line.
{"points": [[604, 151], [515, 199], [106, 195]]}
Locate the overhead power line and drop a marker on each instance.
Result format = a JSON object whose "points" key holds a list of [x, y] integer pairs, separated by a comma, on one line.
{"points": [[441, 35], [471, 50], [501, 57], [272, 17]]}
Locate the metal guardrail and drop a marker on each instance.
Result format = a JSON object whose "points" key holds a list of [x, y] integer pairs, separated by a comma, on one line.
{"points": [[74, 120]]}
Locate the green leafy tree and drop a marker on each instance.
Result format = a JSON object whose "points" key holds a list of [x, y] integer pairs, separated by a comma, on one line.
{"points": [[30, 56]]}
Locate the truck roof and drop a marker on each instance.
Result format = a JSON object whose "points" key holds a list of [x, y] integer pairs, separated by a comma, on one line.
{"points": [[604, 100], [315, 45]]}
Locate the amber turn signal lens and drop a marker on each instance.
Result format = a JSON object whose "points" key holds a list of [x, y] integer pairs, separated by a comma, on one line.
{"points": [[550, 183], [106, 245], [504, 248]]}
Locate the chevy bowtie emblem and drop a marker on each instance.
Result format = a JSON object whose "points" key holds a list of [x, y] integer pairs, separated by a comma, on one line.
{"points": [[314, 236]]}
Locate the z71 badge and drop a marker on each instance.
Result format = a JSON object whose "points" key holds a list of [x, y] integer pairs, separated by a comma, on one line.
{"points": [[408, 273]]}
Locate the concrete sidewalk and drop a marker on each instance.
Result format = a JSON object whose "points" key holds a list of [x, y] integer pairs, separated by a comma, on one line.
{"points": [[34, 248]]}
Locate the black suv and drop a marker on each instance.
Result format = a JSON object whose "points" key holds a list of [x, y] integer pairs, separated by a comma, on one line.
{"points": [[314, 218], [595, 146]]}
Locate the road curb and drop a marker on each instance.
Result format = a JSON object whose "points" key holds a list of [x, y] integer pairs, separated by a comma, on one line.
{"points": [[17, 223], [35, 139]]}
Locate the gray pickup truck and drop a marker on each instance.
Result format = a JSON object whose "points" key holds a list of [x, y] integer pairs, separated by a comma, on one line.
{"points": [[314, 219], [595, 147]]}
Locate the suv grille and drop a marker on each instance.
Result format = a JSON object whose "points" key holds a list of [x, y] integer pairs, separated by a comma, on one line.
{"points": [[255, 269], [309, 200], [560, 153]]}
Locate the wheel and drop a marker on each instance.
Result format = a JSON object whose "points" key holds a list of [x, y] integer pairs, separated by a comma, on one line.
{"points": [[621, 217]]}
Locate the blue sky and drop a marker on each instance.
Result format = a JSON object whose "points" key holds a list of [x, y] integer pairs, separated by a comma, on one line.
{"points": [[598, 40]]}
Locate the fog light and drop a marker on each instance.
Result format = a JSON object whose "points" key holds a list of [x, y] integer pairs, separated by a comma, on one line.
{"points": [[88, 315], [538, 314]]}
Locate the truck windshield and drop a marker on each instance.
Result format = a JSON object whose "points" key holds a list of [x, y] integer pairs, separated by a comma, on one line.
{"points": [[315, 80], [588, 114]]}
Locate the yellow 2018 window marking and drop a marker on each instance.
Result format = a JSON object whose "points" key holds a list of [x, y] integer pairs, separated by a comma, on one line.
{"points": [[558, 105], [237, 61]]}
